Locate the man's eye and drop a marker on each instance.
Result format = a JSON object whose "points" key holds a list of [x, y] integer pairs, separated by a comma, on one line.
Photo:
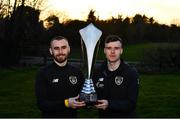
{"points": [[117, 48], [56, 48], [108, 48], [64, 47]]}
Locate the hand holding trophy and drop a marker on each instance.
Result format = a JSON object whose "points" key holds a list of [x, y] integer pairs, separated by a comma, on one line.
{"points": [[90, 36]]}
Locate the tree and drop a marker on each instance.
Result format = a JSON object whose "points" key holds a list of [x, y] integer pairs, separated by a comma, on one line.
{"points": [[91, 17], [139, 22]]}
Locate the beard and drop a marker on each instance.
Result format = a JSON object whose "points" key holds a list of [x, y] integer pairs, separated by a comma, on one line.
{"points": [[113, 60], [60, 58]]}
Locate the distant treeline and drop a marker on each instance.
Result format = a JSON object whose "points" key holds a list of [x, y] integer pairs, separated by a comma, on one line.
{"points": [[22, 33]]}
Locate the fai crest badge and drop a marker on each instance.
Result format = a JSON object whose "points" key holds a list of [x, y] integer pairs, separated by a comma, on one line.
{"points": [[118, 80], [73, 79]]}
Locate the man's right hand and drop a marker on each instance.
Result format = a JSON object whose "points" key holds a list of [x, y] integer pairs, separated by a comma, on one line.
{"points": [[74, 103], [102, 104]]}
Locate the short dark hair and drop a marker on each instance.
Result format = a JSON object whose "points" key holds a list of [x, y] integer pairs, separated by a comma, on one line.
{"points": [[113, 38], [57, 38]]}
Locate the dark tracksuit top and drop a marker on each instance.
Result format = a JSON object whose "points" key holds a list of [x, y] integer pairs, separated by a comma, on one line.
{"points": [[119, 87], [53, 85]]}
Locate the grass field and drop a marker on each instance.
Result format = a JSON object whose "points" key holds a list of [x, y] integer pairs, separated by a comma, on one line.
{"points": [[159, 95]]}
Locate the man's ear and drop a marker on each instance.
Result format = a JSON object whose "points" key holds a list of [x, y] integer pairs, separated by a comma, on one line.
{"points": [[104, 50], [50, 50], [121, 51], [69, 49]]}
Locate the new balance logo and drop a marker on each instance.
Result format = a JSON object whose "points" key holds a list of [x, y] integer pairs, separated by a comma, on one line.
{"points": [[55, 80]]}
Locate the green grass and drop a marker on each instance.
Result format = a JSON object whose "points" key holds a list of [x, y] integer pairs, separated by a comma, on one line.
{"points": [[17, 97], [159, 95]]}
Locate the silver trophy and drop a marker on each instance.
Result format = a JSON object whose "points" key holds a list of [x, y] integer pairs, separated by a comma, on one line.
{"points": [[90, 36]]}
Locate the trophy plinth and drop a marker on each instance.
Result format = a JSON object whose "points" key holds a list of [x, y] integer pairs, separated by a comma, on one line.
{"points": [[90, 35], [88, 93]]}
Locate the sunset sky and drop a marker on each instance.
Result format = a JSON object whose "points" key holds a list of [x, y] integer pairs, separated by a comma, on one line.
{"points": [[163, 11]]}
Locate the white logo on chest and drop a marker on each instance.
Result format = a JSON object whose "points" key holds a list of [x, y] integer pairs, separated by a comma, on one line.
{"points": [[100, 84], [55, 80], [118, 80], [73, 79]]}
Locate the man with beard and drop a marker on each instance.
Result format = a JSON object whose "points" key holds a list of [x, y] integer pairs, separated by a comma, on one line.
{"points": [[58, 84], [116, 82]]}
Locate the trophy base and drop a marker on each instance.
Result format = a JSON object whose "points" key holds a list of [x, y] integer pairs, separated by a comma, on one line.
{"points": [[89, 99]]}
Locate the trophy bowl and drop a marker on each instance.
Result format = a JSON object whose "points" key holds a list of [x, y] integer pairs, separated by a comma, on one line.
{"points": [[90, 36]]}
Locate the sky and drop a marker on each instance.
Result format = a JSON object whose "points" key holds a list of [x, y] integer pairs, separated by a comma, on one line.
{"points": [[163, 11]]}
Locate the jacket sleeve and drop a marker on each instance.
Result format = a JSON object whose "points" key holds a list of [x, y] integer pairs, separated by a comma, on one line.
{"points": [[129, 104], [42, 101]]}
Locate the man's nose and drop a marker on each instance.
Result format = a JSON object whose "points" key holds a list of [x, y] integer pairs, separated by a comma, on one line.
{"points": [[112, 50], [60, 50]]}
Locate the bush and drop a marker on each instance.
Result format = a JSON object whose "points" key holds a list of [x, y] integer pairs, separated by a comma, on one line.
{"points": [[160, 59]]}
